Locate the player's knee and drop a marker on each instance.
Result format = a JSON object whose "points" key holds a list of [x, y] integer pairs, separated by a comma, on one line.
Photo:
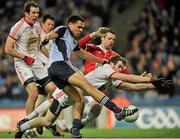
{"points": [[50, 88], [96, 109], [32, 97], [80, 102], [48, 122], [32, 92]]}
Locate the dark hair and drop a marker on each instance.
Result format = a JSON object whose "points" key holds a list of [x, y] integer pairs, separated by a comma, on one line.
{"points": [[46, 17], [111, 30], [74, 19], [28, 6], [115, 59]]}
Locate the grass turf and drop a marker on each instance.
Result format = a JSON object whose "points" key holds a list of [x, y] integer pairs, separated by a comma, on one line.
{"points": [[113, 133]]}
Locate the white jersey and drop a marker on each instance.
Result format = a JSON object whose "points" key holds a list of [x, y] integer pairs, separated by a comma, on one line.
{"points": [[27, 36], [27, 43], [41, 56], [101, 77]]}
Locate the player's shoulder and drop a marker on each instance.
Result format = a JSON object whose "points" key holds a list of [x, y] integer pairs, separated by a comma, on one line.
{"points": [[19, 23], [17, 27], [106, 66], [60, 28], [92, 46], [115, 53]]}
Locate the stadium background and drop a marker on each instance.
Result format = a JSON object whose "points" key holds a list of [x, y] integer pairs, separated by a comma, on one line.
{"points": [[148, 35]]}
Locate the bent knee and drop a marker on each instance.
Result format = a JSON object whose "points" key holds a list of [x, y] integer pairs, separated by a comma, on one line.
{"points": [[47, 122], [96, 109]]}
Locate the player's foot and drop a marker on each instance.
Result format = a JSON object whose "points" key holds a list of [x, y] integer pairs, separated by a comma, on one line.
{"points": [[82, 126], [75, 133], [53, 130], [125, 112], [19, 133], [39, 130], [30, 134]]}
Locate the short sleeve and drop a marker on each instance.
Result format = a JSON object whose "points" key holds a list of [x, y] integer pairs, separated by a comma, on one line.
{"points": [[107, 70], [16, 31], [60, 31]]}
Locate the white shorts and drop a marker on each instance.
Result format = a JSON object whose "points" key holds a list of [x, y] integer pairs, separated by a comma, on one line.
{"points": [[43, 59], [25, 72]]}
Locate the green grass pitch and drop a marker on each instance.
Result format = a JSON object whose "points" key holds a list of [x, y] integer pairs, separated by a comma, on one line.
{"points": [[113, 133]]}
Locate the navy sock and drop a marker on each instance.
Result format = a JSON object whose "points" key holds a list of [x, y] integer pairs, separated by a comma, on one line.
{"points": [[110, 105], [76, 123], [75, 130]]}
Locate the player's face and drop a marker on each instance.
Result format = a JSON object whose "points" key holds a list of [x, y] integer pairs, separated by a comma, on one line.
{"points": [[119, 66], [32, 16], [48, 25], [76, 28], [108, 41]]}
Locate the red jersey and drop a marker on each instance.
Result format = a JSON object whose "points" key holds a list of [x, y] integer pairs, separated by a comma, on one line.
{"points": [[99, 52], [96, 50]]}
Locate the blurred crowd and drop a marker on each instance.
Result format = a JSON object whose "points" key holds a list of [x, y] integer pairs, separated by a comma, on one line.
{"points": [[153, 41]]}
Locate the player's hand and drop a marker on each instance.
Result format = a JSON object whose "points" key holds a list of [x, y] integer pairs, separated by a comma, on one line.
{"points": [[28, 60], [100, 32], [162, 83]]}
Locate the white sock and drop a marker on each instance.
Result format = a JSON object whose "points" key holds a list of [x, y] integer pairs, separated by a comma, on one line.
{"points": [[40, 108], [89, 117], [24, 126], [32, 115]]}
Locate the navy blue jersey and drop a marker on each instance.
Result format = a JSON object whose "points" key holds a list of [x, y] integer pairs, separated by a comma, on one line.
{"points": [[63, 46]]}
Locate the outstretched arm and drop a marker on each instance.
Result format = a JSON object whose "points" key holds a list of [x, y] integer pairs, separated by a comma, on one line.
{"points": [[88, 56], [130, 78], [98, 33], [136, 87], [50, 36]]}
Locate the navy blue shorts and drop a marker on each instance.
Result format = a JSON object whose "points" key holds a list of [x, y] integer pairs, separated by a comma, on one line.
{"points": [[60, 71]]}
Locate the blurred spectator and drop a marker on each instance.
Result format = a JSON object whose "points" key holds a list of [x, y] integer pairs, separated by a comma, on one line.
{"points": [[154, 42]]}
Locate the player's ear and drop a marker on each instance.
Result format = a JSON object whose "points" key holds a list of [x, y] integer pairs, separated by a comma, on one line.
{"points": [[25, 14]]}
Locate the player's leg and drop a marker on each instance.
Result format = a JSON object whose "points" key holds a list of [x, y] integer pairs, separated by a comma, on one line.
{"points": [[42, 95], [39, 100], [93, 113], [41, 110], [61, 123], [59, 73], [26, 77], [32, 90], [50, 88], [77, 97], [49, 118], [77, 79]]}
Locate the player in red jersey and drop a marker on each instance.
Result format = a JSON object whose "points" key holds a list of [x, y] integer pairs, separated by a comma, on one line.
{"points": [[103, 50]]}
